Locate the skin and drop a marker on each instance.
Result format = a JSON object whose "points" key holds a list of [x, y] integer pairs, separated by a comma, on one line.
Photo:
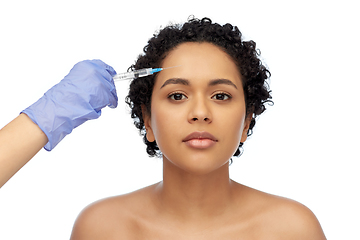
{"points": [[197, 199], [20, 140]]}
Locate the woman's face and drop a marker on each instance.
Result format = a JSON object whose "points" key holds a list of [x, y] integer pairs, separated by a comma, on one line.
{"points": [[198, 108]]}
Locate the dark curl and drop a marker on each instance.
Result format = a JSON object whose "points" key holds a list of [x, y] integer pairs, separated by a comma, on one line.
{"points": [[229, 39]]}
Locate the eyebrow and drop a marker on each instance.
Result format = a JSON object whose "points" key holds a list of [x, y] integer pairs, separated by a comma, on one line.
{"points": [[222, 81], [187, 82], [176, 81]]}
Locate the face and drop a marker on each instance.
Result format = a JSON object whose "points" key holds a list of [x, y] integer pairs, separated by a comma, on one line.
{"points": [[198, 109]]}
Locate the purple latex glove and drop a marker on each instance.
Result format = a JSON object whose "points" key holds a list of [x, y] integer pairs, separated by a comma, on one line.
{"points": [[79, 97]]}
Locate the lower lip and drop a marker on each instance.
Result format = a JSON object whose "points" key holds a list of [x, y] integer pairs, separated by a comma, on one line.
{"points": [[200, 143]]}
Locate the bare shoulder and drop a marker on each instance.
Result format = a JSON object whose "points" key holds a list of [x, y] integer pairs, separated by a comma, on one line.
{"points": [[285, 218], [110, 218], [295, 220]]}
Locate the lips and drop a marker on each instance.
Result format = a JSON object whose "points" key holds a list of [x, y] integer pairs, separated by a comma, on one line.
{"points": [[200, 140], [200, 135]]}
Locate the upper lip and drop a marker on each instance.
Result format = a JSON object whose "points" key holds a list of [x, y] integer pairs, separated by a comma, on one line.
{"points": [[199, 135]]}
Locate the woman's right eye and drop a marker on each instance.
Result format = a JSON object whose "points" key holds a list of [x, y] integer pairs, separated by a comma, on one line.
{"points": [[177, 96]]}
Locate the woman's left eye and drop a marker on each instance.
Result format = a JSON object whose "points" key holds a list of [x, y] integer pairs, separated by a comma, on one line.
{"points": [[221, 96]]}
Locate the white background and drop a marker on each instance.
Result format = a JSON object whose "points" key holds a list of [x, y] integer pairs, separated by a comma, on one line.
{"points": [[304, 147]]}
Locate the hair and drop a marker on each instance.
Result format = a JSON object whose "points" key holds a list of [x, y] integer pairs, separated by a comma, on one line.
{"points": [[229, 39]]}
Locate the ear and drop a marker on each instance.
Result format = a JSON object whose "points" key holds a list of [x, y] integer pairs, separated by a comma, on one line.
{"points": [[246, 127], [147, 122]]}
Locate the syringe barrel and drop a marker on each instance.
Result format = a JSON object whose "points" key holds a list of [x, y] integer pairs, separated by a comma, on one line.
{"points": [[132, 75]]}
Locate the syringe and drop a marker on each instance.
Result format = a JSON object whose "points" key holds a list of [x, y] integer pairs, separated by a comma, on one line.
{"points": [[137, 73]]}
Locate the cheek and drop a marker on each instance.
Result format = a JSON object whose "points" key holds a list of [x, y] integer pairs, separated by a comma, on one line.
{"points": [[232, 125], [232, 116], [166, 123]]}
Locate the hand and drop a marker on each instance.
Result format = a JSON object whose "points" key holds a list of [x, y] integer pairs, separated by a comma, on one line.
{"points": [[79, 97]]}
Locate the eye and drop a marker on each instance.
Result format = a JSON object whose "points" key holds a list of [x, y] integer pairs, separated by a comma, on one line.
{"points": [[177, 96], [221, 96]]}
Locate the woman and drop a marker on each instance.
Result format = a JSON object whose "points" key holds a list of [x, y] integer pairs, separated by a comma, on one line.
{"points": [[196, 115]]}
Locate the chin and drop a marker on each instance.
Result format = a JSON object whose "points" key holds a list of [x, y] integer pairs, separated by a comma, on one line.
{"points": [[198, 165]]}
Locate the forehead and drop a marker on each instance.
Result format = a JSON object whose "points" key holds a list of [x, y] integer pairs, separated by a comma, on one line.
{"points": [[199, 61]]}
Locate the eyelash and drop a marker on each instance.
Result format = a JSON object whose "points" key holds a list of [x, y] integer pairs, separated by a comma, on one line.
{"points": [[224, 94], [171, 96]]}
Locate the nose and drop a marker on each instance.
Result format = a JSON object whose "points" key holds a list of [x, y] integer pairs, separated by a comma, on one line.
{"points": [[200, 111]]}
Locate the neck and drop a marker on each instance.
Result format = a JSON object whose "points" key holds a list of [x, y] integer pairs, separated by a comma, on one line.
{"points": [[192, 196]]}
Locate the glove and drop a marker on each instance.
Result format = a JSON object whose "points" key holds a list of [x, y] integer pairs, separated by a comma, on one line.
{"points": [[79, 97]]}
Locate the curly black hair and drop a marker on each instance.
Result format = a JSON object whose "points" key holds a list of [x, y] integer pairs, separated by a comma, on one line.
{"points": [[229, 39]]}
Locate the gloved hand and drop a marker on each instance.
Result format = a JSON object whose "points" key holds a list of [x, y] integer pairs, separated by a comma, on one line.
{"points": [[79, 97]]}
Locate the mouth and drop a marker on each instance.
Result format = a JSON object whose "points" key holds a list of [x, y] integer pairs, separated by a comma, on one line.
{"points": [[200, 140]]}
